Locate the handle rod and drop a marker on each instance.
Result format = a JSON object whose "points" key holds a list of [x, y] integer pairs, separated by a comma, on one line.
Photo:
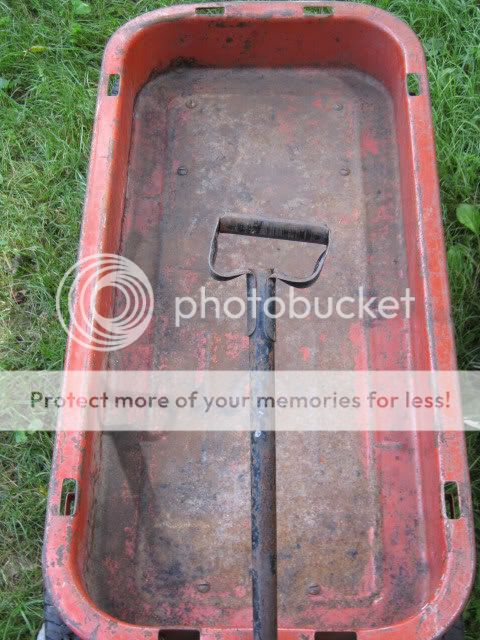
{"points": [[263, 460]]}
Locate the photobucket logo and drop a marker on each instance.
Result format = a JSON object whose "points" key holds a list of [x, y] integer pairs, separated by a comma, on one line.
{"points": [[131, 297], [297, 307]]}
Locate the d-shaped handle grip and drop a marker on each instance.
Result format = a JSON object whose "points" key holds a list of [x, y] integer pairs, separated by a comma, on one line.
{"points": [[275, 229]]}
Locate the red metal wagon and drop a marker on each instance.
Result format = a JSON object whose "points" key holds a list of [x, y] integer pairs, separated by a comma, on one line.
{"points": [[291, 110]]}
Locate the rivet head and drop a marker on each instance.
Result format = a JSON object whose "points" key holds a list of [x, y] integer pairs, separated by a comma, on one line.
{"points": [[345, 172], [338, 106], [313, 590], [191, 104], [182, 171], [203, 587]]}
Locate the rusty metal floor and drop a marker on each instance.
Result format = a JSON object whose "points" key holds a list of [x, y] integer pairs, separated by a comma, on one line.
{"points": [[170, 533]]}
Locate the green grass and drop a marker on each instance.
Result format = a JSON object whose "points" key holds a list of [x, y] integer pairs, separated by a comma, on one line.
{"points": [[50, 56]]}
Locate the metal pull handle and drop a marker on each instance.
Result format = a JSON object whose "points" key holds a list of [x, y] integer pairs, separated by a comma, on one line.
{"points": [[261, 329]]}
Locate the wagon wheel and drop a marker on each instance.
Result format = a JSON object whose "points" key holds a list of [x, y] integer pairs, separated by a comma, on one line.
{"points": [[457, 632], [54, 627]]}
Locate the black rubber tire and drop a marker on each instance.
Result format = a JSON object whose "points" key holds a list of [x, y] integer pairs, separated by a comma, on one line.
{"points": [[457, 632], [55, 628]]}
